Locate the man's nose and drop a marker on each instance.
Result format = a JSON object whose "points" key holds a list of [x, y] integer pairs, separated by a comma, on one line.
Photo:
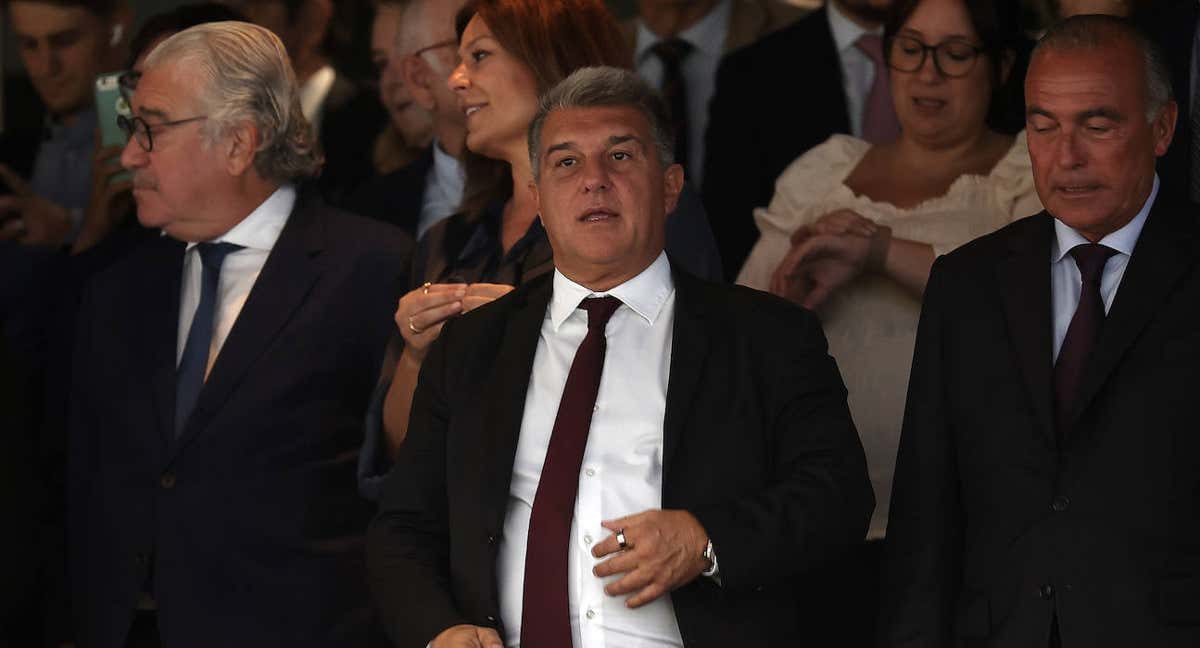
{"points": [[133, 156], [596, 177], [1069, 153]]}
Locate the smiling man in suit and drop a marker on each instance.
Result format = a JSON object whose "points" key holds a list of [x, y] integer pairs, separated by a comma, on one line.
{"points": [[620, 452], [1047, 489], [222, 371]]}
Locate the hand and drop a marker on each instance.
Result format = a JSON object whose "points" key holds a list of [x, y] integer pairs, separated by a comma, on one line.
{"points": [[842, 222], [664, 553], [34, 220], [467, 636], [110, 199], [422, 312], [818, 266], [479, 294]]}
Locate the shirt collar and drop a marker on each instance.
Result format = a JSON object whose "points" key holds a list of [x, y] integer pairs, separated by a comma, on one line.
{"points": [[79, 132], [447, 170], [260, 230], [846, 32], [707, 35], [1122, 240], [644, 294]]}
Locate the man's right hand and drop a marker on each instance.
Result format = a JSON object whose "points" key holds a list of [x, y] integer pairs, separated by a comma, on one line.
{"points": [[467, 636]]}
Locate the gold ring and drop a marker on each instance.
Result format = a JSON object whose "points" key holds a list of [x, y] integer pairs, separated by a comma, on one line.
{"points": [[425, 288], [413, 328]]}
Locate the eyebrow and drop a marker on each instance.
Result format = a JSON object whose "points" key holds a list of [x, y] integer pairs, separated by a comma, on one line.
{"points": [[612, 141], [909, 31], [1102, 112], [153, 112]]}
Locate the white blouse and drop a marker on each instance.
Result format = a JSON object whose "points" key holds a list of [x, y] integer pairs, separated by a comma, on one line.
{"points": [[871, 323]]}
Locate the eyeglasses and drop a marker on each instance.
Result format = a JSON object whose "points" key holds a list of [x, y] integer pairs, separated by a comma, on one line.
{"points": [[138, 129], [428, 48], [952, 58]]}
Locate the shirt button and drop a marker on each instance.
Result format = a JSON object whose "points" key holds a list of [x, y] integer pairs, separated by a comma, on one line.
{"points": [[591, 614], [168, 480], [1046, 592], [590, 472], [595, 408], [1060, 504], [587, 539]]}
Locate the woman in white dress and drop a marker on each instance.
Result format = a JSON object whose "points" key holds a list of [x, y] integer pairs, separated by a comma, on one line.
{"points": [[853, 228]]}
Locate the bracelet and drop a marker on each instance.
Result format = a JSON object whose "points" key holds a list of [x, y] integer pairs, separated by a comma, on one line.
{"points": [[877, 253]]}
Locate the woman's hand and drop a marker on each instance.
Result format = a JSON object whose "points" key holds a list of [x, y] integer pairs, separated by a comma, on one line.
{"points": [[422, 313], [824, 257]]}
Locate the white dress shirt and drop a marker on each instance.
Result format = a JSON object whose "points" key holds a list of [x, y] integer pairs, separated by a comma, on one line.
{"points": [[622, 464], [313, 93], [699, 74], [858, 71], [256, 234], [444, 185], [1065, 280]]}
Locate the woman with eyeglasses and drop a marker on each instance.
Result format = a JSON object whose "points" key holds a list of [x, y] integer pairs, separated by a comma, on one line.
{"points": [[853, 229]]}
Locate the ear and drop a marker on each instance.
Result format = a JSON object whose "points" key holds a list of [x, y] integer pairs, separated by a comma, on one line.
{"points": [[240, 148], [537, 197], [417, 77], [1163, 127], [672, 186], [1007, 59]]}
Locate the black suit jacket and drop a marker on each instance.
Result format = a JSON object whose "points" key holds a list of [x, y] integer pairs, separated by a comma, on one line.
{"points": [[248, 528], [995, 527], [396, 197], [757, 443], [774, 100]]}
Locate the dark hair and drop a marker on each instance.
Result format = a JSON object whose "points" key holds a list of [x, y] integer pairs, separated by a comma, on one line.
{"points": [[102, 8], [553, 38], [177, 20]]}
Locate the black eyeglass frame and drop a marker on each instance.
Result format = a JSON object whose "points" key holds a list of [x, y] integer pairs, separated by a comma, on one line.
{"points": [[925, 51], [129, 125]]}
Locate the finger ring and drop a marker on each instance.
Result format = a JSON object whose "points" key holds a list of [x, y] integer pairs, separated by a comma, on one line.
{"points": [[413, 328], [425, 288], [621, 540]]}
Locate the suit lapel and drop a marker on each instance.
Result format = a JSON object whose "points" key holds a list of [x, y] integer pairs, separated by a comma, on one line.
{"points": [[286, 278], [1163, 252], [159, 328], [690, 345], [1024, 279], [508, 383]]}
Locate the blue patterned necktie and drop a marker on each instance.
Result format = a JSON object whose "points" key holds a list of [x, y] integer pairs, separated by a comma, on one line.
{"points": [[189, 377]]}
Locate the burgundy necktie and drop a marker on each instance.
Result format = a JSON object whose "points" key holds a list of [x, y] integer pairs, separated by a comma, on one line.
{"points": [[672, 53], [545, 615], [879, 125], [1081, 333]]}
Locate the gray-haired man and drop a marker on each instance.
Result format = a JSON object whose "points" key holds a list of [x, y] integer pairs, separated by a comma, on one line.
{"points": [[619, 453], [222, 371]]}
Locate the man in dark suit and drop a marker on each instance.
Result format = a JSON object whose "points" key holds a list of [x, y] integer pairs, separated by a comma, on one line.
{"points": [[702, 455], [1047, 489], [221, 372], [776, 99]]}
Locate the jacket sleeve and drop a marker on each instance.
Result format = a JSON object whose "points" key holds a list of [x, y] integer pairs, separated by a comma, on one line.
{"points": [[818, 500], [408, 541], [923, 554]]}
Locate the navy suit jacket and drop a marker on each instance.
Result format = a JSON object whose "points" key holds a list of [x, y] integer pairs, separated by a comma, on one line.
{"points": [[248, 528]]}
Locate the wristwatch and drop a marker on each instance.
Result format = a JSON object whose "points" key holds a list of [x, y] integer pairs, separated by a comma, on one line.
{"points": [[710, 556]]}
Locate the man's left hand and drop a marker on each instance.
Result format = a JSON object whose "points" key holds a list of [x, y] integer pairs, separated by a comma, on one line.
{"points": [[33, 220], [664, 552]]}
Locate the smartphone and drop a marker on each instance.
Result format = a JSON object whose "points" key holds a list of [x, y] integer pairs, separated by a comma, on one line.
{"points": [[110, 102]]}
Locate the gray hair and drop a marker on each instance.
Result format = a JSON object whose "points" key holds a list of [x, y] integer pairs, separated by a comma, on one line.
{"points": [[595, 87], [1097, 31], [245, 75]]}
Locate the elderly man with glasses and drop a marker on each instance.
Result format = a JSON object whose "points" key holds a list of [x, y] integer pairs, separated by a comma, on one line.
{"points": [[222, 371]]}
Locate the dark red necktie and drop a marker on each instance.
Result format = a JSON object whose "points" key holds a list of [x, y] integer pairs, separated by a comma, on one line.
{"points": [[545, 615], [1081, 333]]}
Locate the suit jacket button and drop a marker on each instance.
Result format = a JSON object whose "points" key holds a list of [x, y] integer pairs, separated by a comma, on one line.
{"points": [[491, 539], [491, 620], [1060, 504], [142, 559], [1046, 592], [168, 480]]}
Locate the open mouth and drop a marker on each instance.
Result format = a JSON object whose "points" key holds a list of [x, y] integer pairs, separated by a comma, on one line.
{"points": [[471, 110], [597, 215], [928, 104], [1077, 190]]}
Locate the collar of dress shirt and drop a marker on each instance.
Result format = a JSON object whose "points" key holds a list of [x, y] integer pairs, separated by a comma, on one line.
{"points": [[707, 35], [1122, 240], [644, 294], [846, 32], [261, 228], [447, 170], [76, 134]]}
